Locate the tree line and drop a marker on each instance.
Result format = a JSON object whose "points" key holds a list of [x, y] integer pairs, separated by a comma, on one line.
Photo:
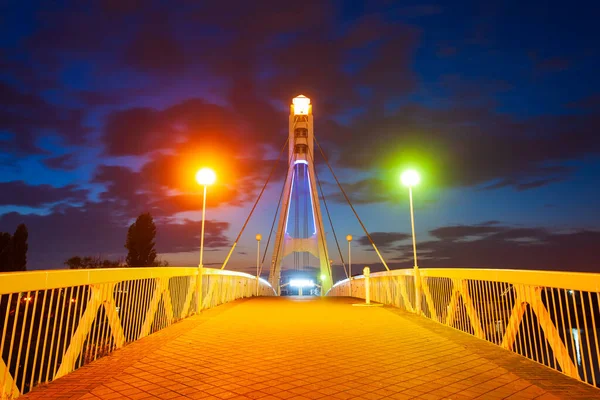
{"points": [[140, 244], [13, 250]]}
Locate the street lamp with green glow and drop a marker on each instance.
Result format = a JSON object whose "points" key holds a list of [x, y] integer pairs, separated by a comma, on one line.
{"points": [[411, 178]]}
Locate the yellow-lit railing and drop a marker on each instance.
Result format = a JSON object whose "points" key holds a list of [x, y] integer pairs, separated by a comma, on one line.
{"points": [[53, 322], [550, 317]]}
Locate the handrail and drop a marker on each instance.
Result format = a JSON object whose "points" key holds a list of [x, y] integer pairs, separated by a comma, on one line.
{"points": [[53, 322], [555, 279], [13, 282], [551, 317]]}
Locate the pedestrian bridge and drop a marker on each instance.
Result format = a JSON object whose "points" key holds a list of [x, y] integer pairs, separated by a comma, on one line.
{"points": [[446, 333]]}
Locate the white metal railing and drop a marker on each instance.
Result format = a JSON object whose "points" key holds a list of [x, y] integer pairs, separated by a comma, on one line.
{"points": [[549, 317], [53, 322]]}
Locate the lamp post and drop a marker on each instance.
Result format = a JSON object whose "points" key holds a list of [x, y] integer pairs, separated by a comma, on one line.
{"points": [[411, 178], [204, 177], [349, 239], [258, 239]]}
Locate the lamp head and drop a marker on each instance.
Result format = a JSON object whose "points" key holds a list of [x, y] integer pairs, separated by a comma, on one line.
{"points": [[258, 237], [349, 238], [206, 176], [410, 178]]}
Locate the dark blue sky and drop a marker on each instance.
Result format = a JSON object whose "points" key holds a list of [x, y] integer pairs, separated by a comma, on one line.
{"points": [[107, 108]]}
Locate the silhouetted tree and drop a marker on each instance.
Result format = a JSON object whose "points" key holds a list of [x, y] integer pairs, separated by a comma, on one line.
{"points": [[19, 248], [74, 263], [5, 252], [140, 242], [91, 262], [160, 263], [13, 250]]}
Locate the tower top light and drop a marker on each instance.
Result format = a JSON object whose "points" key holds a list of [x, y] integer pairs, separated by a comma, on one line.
{"points": [[301, 105]]}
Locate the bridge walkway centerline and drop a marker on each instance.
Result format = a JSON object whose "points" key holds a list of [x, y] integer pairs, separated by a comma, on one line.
{"points": [[311, 348]]}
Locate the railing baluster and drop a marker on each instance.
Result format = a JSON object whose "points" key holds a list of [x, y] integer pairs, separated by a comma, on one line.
{"points": [[587, 338], [515, 309], [595, 334], [28, 348], [21, 335]]}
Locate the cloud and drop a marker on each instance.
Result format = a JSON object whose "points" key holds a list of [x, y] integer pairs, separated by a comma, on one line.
{"points": [[553, 64], [383, 239], [27, 116], [95, 228], [504, 247], [465, 146], [175, 237], [456, 232], [19, 193], [587, 103], [364, 191], [193, 122], [155, 48], [65, 162], [122, 76], [165, 185]]}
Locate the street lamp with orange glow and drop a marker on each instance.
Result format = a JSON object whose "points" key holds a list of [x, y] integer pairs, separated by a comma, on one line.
{"points": [[204, 177], [411, 178]]}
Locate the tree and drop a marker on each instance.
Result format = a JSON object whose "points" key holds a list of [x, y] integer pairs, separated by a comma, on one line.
{"points": [[19, 248], [13, 250], [74, 263], [91, 262], [5, 252], [160, 263], [140, 242]]}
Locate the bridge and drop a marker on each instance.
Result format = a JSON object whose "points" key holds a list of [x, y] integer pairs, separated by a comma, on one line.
{"points": [[203, 333], [162, 333]]}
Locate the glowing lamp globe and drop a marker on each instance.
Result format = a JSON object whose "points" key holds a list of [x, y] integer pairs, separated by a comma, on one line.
{"points": [[206, 176], [258, 237], [301, 105], [349, 238], [410, 178]]}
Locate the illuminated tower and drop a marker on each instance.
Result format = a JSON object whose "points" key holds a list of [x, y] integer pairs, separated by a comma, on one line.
{"points": [[301, 157]]}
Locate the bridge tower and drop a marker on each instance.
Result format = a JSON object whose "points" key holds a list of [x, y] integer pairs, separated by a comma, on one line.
{"points": [[301, 161]]}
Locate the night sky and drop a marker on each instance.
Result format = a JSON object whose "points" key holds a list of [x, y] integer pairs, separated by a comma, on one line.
{"points": [[108, 108]]}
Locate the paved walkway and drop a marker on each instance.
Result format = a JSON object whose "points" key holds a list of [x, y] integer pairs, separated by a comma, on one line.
{"points": [[303, 348]]}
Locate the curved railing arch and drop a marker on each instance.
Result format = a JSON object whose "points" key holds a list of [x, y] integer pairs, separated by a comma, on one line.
{"points": [[548, 316], [53, 322]]}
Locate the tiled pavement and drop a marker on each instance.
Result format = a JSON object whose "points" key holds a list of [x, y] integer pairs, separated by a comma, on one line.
{"points": [[311, 348]]}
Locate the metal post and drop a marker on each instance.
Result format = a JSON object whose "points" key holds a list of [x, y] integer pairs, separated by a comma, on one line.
{"points": [[367, 274], [349, 239], [200, 266], [202, 234], [258, 238], [416, 267]]}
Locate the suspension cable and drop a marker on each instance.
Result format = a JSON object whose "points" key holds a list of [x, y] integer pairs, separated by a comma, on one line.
{"points": [[275, 216], [315, 202], [350, 204], [272, 227], [328, 214], [255, 204]]}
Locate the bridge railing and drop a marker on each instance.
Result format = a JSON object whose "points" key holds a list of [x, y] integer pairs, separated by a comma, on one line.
{"points": [[549, 317], [53, 322]]}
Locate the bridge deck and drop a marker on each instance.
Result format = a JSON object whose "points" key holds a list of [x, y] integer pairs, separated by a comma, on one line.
{"points": [[285, 348]]}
